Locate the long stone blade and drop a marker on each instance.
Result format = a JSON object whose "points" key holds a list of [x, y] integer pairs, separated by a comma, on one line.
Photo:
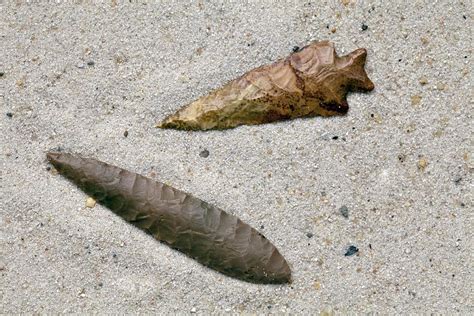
{"points": [[204, 232]]}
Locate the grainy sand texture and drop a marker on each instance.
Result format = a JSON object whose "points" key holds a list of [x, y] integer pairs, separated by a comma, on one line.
{"points": [[373, 210]]}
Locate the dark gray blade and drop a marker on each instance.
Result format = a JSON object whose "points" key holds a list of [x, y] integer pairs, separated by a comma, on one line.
{"points": [[206, 233]]}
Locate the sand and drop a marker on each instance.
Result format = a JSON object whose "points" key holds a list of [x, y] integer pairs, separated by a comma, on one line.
{"points": [[79, 74]]}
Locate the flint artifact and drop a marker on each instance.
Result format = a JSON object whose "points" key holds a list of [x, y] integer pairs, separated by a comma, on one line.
{"points": [[310, 82], [204, 232]]}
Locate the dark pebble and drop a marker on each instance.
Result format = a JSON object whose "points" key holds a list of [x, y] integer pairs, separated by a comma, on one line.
{"points": [[125, 134], [262, 227], [309, 235], [204, 153], [464, 17], [2, 74], [364, 27], [352, 250], [10, 114], [335, 137], [344, 211], [458, 180], [90, 63], [296, 49], [100, 284]]}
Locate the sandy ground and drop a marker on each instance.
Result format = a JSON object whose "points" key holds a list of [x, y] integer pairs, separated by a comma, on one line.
{"points": [[77, 76]]}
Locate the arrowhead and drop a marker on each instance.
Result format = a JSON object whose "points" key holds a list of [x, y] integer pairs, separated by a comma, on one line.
{"points": [[313, 81]]}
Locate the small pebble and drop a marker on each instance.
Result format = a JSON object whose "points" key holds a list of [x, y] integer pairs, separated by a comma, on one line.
{"points": [[364, 27], [422, 164], [317, 285], [2, 74], [53, 171], [125, 134], [335, 137], [90, 63], [90, 202], [327, 311], [296, 49], [408, 251], [352, 250], [415, 100], [193, 310], [344, 211], [309, 235], [441, 86], [9, 114], [80, 65], [423, 81], [204, 153]]}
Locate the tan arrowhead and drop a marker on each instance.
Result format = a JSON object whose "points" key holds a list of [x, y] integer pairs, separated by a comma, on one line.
{"points": [[313, 81]]}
